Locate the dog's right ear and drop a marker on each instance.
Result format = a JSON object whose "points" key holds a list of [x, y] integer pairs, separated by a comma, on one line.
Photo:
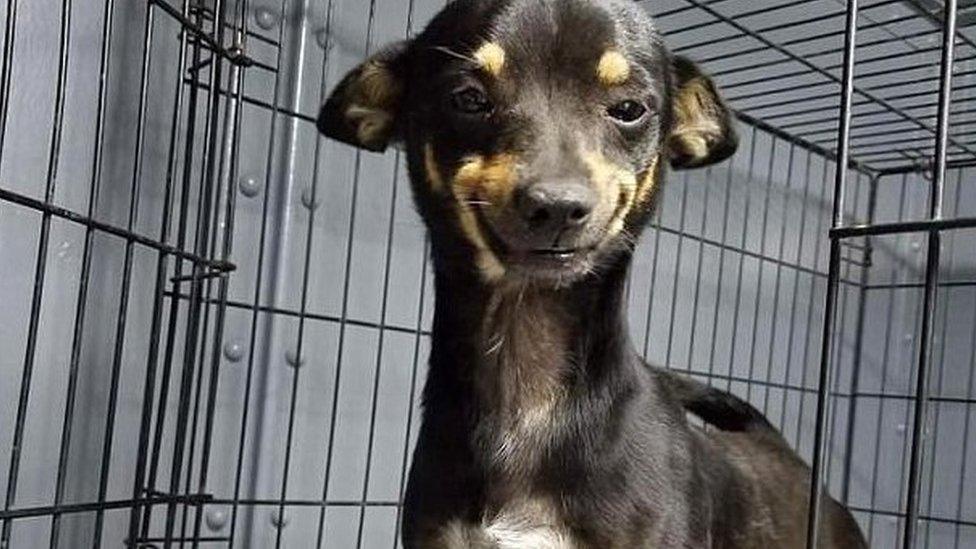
{"points": [[364, 109], [703, 131]]}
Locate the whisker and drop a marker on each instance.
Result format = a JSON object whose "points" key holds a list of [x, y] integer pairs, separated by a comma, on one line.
{"points": [[457, 55], [630, 238], [496, 345]]}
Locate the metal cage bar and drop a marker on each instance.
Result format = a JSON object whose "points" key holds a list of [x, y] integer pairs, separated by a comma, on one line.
{"points": [[40, 269], [933, 253], [344, 315], [822, 433]]}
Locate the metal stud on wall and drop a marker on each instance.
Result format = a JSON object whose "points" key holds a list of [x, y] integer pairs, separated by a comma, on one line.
{"points": [[226, 318]]}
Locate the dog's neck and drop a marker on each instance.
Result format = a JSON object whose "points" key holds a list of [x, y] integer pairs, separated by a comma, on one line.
{"points": [[533, 329], [511, 358]]}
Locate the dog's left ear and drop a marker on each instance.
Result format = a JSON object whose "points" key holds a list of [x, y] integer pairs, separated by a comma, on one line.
{"points": [[364, 109], [702, 130]]}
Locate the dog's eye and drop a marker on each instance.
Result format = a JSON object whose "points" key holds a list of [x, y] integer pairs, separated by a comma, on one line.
{"points": [[470, 100], [627, 112]]}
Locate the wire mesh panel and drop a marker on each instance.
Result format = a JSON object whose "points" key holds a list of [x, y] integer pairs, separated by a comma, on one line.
{"points": [[215, 323], [781, 63], [884, 376]]}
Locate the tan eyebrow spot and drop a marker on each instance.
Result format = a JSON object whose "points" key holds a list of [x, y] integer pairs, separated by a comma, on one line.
{"points": [[613, 68], [491, 57]]}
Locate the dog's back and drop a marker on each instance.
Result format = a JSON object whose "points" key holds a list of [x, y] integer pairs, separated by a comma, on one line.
{"points": [[775, 480], [779, 493]]}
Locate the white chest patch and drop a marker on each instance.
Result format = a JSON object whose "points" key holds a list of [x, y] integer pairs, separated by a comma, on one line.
{"points": [[529, 525], [511, 532]]}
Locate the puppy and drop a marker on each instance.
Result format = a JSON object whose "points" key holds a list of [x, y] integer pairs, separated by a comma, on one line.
{"points": [[538, 134]]}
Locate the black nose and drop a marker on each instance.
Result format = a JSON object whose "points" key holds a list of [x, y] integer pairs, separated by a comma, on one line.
{"points": [[556, 205]]}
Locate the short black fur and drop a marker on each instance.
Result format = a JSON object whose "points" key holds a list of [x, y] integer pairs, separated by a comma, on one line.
{"points": [[542, 427]]}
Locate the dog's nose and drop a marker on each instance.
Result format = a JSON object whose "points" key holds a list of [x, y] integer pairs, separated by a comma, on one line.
{"points": [[556, 205]]}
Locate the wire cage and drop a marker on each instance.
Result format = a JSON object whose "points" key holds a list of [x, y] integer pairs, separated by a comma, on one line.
{"points": [[214, 323]]}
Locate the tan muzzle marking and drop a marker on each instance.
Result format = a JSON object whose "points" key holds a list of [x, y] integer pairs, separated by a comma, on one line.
{"points": [[477, 180], [617, 187]]}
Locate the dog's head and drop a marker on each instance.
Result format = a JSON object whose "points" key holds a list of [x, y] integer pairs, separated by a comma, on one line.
{"points": [[537, 131]]}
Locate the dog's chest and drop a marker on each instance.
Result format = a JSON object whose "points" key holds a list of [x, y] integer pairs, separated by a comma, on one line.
{"points": [[532, 523]]}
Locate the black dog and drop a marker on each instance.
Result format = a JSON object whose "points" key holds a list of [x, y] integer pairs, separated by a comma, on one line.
{"points": [[537, 134]]}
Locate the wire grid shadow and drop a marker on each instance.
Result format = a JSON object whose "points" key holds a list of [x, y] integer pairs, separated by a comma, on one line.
{"points": [[300, 399]]}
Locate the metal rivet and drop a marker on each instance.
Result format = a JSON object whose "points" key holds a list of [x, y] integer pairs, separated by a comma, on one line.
{"points": [[249, 186], [265, 18], [293, 359], [308, 198], [279, 521], [901, 428], [234, 351], [64, 249], [216, 519], [916, 245]]}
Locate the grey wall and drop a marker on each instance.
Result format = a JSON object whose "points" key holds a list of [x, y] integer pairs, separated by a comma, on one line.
{"points": [[729, 284]]}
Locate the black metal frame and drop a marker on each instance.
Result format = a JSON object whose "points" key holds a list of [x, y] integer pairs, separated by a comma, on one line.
{"points": [[869, 115], [933, 226], [204, 267]]}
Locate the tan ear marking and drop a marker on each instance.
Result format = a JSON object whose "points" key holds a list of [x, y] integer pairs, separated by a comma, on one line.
{"points": [[372, 125], [691, 143], [696, 120], [695, 108], [372, 99], [377, 87], [613, 68], [491, 58]]}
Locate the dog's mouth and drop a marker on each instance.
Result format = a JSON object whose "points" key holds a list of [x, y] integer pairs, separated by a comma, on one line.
{"points": [[549, 258], [556, 262], [556, 254], [551, 264]]}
